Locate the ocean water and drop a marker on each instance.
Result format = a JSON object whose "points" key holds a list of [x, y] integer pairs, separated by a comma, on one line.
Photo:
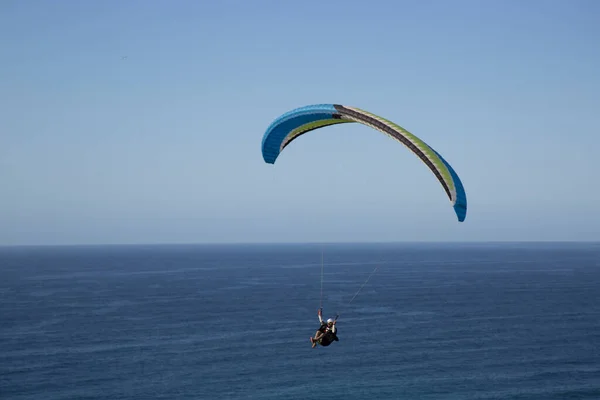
{"points": [[436, 321]]}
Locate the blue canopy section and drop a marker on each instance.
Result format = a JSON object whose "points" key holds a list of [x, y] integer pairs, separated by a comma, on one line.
{"points": [[460, 205], [282, 126]]}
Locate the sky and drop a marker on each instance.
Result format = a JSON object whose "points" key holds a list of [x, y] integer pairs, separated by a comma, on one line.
{"points": [[141, 121]]}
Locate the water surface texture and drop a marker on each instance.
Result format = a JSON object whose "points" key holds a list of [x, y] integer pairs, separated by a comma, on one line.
{"points": [[436, 321]]}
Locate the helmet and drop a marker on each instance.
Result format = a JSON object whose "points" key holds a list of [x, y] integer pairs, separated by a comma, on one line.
{"points": [[329, 321]]}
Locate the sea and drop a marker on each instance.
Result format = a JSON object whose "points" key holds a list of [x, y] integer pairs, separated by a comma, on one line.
{"points": [[439, 321]]}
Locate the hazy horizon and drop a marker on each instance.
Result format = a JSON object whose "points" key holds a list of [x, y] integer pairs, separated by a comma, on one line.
{"points": [[322, 245]]}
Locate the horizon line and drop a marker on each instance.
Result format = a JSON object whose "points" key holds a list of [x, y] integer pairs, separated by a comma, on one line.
{"points": [[297, 243]]}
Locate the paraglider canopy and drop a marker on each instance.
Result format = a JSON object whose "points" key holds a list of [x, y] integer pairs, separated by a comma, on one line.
{"points": [[291, 125]]}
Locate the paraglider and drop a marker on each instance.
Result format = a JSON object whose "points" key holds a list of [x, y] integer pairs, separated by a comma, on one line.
{"points": [[327, 332], [291, 125], [295, 123]]}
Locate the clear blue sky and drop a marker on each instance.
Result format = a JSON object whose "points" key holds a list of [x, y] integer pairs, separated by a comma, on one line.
{"points": [[164, 146]]}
